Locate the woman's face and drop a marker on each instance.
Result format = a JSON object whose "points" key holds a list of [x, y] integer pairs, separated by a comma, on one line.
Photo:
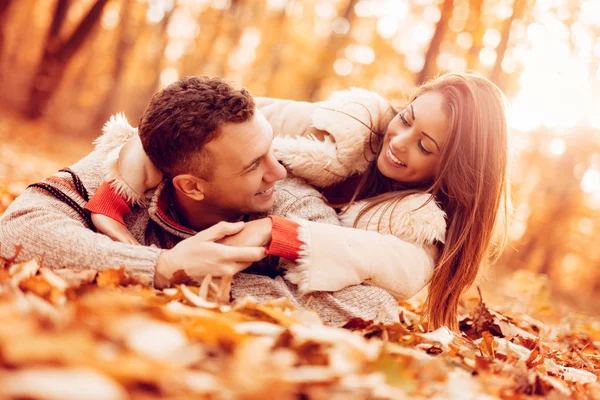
{"points": [[413, 141]]}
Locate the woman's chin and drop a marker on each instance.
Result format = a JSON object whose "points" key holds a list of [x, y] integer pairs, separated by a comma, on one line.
{"points": [[386, 170]]}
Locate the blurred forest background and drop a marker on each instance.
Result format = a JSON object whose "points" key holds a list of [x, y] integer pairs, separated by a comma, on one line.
{"points": [[66, 66]]}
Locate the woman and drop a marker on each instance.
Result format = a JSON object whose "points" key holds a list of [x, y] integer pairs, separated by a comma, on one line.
{"points": [[450, 142]]}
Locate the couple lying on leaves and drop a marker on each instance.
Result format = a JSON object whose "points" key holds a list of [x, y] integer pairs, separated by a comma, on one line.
{"points": [[342, 206]]}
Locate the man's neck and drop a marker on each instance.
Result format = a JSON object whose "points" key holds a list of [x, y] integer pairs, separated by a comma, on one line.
{"points": [[198, 215]]}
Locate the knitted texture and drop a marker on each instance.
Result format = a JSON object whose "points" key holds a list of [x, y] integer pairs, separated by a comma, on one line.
{"points": [[52, 230]]}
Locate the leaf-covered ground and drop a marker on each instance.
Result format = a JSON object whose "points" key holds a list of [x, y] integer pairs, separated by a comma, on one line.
{"points": [[88, 335]]}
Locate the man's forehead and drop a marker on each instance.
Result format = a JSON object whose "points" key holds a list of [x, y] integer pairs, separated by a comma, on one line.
{"points": [[242, 142]]}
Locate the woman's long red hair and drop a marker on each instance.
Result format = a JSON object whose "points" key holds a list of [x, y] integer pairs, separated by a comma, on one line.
{"points": [[470, 185]]}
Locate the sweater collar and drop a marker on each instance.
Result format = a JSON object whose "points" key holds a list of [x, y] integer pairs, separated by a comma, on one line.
{"points": [[162, 212]]}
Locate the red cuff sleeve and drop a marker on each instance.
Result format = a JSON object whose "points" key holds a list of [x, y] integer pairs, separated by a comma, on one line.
{"points": [[284, 239], [107, 201]]}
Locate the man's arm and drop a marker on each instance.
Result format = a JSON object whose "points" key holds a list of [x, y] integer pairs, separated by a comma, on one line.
{"points": [[50, 229]]}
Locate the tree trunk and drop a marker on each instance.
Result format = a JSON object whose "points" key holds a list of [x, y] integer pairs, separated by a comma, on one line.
{"points": [[329, 54], [429, 68], [200, 62], [518, 10], [477, 29], [158, 60], [57, 55], [124, 45], [277, 51], [236, 14], [4, 7]]}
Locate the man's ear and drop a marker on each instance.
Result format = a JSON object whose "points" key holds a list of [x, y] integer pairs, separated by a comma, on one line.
{"points": [[190, 185]]}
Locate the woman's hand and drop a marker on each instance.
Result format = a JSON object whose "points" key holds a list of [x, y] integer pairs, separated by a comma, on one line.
{"points": [[113, 229]]}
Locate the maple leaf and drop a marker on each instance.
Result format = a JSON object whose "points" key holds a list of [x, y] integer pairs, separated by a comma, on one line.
{"points": [[482, 321]]}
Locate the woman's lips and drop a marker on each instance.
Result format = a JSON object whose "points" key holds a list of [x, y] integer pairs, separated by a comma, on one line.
{"points": [[393, 159]]}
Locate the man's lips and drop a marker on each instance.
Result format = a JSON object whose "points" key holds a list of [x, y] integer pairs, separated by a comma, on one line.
{"points": [[266, 192]]}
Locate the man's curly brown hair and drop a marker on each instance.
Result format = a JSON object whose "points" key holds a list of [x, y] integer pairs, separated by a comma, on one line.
{"points": [[184, 116]]}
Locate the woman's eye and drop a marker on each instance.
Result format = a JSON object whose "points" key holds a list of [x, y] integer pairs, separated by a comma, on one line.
{"points": [[423, 149], [404, 121]]}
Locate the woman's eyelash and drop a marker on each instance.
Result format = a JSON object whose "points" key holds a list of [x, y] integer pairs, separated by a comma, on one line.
{"points": [[423, 148], [404, 119], [420, 144]]}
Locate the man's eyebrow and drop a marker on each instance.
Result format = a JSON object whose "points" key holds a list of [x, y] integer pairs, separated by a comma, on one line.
{"points": [[425, 134], [257, 159]]}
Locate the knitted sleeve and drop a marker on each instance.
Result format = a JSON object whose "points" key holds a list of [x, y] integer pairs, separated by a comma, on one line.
{"points": [[53, 231]]}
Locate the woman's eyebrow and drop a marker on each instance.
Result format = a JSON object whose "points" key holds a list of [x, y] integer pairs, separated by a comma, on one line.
{"points": [[432, 139], [412, 110]]}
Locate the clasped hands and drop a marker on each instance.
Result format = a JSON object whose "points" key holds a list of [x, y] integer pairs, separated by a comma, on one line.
{"points": [[223, 249]]}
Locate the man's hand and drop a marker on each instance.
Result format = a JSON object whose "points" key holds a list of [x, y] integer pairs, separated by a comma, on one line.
{"points": [[199, 255], [255, 233], [113, 229]]}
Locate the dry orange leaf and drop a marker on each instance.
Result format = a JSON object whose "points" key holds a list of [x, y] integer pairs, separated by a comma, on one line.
{"points": [[488, 345], [110, 278]]}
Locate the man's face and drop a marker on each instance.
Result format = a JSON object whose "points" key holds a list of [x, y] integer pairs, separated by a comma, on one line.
{"points": [[244, 168]]}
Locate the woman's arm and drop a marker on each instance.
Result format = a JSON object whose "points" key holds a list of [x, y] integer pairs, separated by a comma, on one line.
{"points": [[128, 172], [399, 257], [327, 141]]}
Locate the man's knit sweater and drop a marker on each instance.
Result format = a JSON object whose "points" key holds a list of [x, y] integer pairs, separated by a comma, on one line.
{"points": [[49, 221]]}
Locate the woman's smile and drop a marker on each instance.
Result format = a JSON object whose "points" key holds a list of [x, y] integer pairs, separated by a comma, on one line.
{"points": [[393, 160]]}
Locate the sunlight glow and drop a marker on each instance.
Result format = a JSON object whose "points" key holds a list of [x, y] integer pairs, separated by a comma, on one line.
{"points": [[464, 40], [342, 67], [324, 10], [432, 14], [340, 26], [491, 38], [590, 12], [168, 76], [414, 62], [591, 181], [557, 87], [487, 56], [558, 146], [111, 16], [387, 27], [360, 54]]}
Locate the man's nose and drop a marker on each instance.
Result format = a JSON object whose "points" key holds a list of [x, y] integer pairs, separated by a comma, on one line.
{"points": [[275, 172]]}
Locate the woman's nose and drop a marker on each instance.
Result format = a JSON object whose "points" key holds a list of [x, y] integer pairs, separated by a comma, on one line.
{"points": [[398, 143]]}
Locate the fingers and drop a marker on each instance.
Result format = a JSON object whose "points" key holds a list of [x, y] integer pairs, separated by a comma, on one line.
{"points": [[239, 267], [246, 254], [219, 231]]}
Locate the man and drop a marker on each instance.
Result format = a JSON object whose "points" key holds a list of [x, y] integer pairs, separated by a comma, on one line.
{"points": [[213, 146]]}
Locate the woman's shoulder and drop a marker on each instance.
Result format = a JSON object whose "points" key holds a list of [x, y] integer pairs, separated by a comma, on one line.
{"points": [[415, 217]]}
